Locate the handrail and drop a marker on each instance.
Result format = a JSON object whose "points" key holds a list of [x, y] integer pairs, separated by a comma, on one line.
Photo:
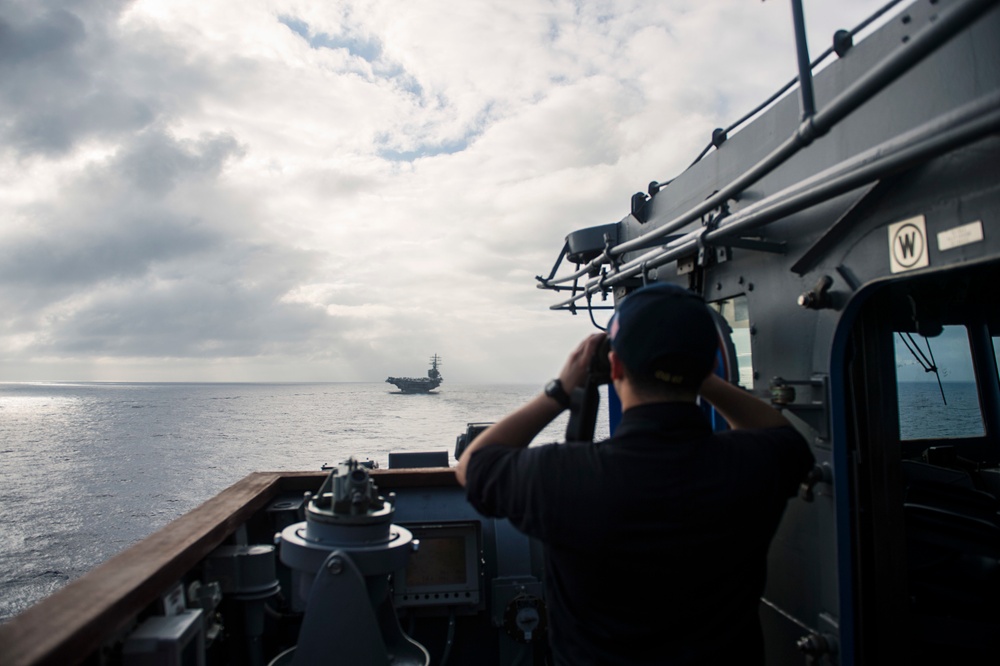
{"points": [[961, 127], [858, 93]]}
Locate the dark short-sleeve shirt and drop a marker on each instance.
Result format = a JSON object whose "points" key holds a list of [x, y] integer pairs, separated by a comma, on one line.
{"points": [[656, 540]]}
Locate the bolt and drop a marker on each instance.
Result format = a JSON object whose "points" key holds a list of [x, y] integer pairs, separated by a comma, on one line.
{"points": [[335, 565], [815, 645]]}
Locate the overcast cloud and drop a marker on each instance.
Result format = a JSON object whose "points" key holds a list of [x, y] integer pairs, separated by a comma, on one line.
{"points": [[252, 190]]}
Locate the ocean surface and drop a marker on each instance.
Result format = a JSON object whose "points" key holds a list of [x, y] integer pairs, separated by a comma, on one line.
{"points": [[928, 411], [88, 469]]}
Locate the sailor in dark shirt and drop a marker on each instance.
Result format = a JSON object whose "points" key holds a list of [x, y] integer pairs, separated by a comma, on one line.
{"points": [[656, 540]]}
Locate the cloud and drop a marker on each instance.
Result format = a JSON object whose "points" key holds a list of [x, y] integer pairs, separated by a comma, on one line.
{"points": [[62, 80], [114, 220], [156, 163], [310, 190]]}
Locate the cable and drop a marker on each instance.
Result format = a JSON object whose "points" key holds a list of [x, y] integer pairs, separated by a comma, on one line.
{"points": [[926, 362], [590, 311]]}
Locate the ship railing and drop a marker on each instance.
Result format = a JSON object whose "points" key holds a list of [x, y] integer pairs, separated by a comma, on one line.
{"points": [[950, 131]]}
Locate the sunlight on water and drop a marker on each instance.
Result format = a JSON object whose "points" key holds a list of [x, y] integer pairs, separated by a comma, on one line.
{"points": [[28, 406]]}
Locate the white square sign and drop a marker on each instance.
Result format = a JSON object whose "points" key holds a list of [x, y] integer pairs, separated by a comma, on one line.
{"points": [[908, 245]]}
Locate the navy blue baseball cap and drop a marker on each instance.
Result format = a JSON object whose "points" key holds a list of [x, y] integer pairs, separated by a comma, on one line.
{"points": [[665, 332]]}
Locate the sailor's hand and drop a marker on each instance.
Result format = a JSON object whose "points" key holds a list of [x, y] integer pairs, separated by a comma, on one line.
{"points": [[574, 372]]}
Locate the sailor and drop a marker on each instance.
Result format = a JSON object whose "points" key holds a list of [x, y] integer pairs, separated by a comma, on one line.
{"points": [[656, 539]]}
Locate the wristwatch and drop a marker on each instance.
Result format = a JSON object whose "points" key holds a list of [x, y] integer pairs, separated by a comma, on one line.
{"points": [[555, 390]]}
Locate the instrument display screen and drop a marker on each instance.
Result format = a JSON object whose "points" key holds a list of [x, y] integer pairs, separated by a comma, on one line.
{"points": [[445, 569], [440, 561]]}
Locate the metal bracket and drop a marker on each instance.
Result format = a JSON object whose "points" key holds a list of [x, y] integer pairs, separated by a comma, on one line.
{"points": [[341, 618], [704, 256], [339, 615], [815, 411]]}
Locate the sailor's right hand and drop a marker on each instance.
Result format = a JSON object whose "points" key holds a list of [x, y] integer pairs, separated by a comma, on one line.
{"points": [[574, 372]]}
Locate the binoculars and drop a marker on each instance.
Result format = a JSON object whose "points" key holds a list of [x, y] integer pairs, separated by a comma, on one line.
{"points": [[585, 399], [600, 367]]}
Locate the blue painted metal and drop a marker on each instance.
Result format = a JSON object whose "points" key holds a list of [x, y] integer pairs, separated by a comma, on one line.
{"points": [[614, 408]]}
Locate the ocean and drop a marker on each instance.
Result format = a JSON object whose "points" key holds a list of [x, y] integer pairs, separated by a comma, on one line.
{"points": [[88, 469], [924, 413]]}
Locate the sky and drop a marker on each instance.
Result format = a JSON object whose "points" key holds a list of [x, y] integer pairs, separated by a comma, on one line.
{"points": [[254, 190], [949, 352]]}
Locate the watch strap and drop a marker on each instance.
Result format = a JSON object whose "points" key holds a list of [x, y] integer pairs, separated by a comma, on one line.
{"points": [[555, 390]]}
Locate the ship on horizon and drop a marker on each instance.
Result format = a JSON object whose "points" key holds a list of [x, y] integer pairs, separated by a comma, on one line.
{"points": [[420, 384]]}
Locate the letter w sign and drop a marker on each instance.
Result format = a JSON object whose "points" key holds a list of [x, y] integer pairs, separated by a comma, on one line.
{"points": [[908, 244]]}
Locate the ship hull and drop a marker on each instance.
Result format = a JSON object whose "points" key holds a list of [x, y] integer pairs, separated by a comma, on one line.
{"points": [[414, 385]]}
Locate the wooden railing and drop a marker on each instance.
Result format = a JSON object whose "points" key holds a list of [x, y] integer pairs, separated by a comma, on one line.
{"points": [[70, 625]]}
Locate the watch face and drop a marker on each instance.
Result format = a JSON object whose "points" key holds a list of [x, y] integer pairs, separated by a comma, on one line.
{"points": [[555, 391]]}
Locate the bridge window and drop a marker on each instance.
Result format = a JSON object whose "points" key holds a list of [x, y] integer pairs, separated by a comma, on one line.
{"points": [[996, 353], [942, 404], [737, 315]]}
